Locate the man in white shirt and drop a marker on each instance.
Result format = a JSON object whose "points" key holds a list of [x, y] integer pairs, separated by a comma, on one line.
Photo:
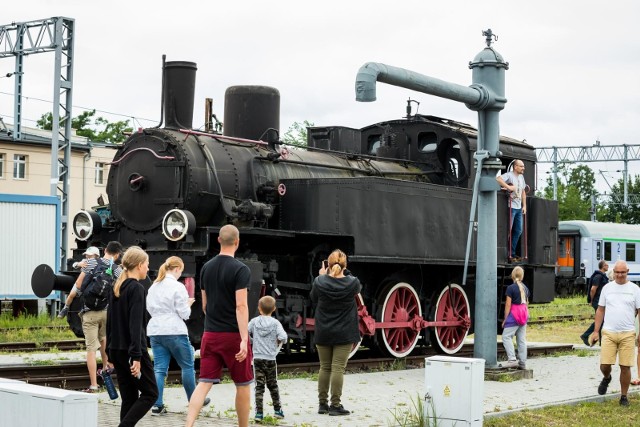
{"points": [[621, 300], [514, 183]]}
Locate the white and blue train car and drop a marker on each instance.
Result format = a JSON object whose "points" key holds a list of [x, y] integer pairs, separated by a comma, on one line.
{"points": [[582, 244]]}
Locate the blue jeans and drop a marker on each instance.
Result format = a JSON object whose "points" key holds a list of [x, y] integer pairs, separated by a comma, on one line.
{"points": [[516, 229], [178, 346]]}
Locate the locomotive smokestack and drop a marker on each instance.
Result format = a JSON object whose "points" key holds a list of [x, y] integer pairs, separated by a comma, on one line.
{"points": [[251, 112], [180, 85]]}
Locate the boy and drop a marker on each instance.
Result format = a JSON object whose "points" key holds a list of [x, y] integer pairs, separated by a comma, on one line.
{"points": [[87, 265], [267, 337]]}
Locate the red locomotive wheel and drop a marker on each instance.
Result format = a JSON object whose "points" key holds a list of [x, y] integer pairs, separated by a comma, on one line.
{"points": [[452, 305], [401, 304]]}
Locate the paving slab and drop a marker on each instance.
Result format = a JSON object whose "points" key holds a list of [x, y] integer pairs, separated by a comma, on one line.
{"points": [[374, 398]]}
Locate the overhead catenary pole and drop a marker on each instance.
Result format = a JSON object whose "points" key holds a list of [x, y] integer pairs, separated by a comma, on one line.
{"points": [[487, 96], [589, 154], [55, 34]]}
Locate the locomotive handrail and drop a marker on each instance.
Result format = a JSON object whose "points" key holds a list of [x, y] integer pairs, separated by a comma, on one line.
{"points": [[209, 159], [349, 168], [157, 156], [232, 138]]}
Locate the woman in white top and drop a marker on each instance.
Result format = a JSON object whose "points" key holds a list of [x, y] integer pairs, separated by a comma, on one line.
{"points": [[169, 306]]}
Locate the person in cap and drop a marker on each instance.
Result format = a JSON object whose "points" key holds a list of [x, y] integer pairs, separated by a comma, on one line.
{"points": [[86, 266], [94, 322]]}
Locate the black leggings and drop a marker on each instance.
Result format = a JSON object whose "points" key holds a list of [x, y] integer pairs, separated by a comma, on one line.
{"points": [[138, 395]]}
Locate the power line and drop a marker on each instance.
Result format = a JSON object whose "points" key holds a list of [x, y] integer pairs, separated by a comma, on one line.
{"points": [[133, 118]]}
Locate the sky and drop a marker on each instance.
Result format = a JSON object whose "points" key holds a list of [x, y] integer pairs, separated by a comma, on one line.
{"points": [[573, 77]]}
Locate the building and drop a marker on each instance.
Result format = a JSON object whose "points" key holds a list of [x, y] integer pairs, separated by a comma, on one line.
{"points": [[25, 168]]}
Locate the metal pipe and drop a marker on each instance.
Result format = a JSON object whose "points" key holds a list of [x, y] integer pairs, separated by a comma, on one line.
{"points": [[371, 72]]}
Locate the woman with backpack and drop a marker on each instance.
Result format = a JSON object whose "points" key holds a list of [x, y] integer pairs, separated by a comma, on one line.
{"points": [[516, 315], [127, 339]]}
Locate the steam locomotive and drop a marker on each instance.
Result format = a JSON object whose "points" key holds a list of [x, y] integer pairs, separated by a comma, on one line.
{"points": [[395, 196]]}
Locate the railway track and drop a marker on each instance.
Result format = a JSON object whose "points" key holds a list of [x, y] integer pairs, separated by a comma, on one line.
{"points": [[74, 376], [26, 347], [70, 345]]}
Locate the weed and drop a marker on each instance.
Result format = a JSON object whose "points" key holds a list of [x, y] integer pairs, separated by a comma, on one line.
{"points": [[269, 420], [414, 416], [313, 376]]}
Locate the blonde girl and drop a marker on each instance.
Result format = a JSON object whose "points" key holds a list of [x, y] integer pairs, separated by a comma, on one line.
{"points": [[127, 339], [517, 296]]}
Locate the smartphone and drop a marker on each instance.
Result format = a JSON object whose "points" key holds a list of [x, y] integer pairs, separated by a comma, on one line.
{"points": [[139, 374]]}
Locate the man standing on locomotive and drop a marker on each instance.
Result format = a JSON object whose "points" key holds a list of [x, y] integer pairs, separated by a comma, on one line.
{"points": [[225, 282], [513, 182], [621, 300]]}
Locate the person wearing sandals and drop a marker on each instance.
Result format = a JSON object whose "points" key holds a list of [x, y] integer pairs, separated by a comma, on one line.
{"points": [[336, 328], [620, 300], [517, 297]]}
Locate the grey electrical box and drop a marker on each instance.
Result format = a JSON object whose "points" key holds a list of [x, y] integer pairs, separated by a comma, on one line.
{"points": [[454, 391]]}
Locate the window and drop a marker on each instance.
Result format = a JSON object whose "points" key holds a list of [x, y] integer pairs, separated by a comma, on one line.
{"points": [[599, 250], [372, 145], [631, 252], [427, 142], [1, 165], [99, 179], [607, 251], [19, 166]]}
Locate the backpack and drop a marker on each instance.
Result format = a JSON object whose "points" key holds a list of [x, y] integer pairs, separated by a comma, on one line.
{"points": [[97, 287], [599, 279]]}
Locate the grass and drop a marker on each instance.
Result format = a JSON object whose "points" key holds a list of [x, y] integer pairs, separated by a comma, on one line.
{"points": [[608, 413], [28, 321], [572, 305], [25, 329]]}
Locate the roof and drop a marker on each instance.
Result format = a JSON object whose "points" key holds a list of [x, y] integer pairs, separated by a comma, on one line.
{"points": [[42, 137], [602, 230]]}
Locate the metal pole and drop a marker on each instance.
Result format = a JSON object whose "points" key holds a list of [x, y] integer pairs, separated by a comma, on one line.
{"points": [[625, 176], [485, 95]]}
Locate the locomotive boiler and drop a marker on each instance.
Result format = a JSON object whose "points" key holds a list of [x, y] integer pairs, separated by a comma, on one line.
{"points": [[395, 196]]}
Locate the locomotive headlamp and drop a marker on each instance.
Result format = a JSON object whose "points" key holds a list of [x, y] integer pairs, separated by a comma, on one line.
{"points": [[177, 224], [85, 224]]}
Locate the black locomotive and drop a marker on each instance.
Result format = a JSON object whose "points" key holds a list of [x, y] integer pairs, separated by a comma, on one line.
{"points": [[395, 196]]}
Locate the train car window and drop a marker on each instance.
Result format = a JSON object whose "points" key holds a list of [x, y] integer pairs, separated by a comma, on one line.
{"points": [[607, 251], [373, 142], [427, 142], [599, 250], [631, 252]]}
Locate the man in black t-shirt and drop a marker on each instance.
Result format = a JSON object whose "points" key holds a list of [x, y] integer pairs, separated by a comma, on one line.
{"points": [[225, 282], [597, 282]]}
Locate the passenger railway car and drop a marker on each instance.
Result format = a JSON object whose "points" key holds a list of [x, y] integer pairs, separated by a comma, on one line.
{"points": [[581, 244], [395, 196]]}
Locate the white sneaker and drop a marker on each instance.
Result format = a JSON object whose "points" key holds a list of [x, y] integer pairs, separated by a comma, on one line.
{"points": [[509, 364]]}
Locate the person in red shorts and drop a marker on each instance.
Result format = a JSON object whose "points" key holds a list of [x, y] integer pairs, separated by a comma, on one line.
{"points": [[225, 282]]}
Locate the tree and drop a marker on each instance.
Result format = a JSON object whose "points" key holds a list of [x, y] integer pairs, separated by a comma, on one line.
{"points": [[575, 186], [297, 134], [110, 132], [615, 210]]}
